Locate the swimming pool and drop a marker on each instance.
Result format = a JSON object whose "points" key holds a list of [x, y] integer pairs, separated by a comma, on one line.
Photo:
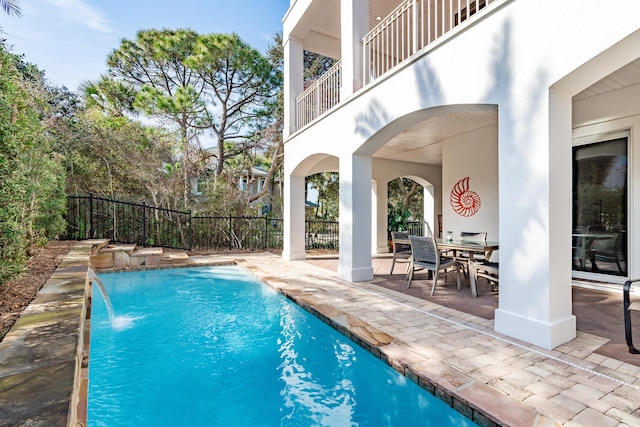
{"points": [[212, 346]]}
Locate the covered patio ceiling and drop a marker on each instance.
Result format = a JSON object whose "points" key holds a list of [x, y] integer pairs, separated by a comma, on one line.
{"points": [[422, 142], [322, 20]]}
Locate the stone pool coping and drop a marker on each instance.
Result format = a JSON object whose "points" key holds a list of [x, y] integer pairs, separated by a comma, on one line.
{"points": [[41, 358], [44, 358]]}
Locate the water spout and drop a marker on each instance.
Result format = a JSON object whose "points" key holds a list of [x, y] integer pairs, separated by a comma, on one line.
{"points": [[117, 322], [105, 296]]}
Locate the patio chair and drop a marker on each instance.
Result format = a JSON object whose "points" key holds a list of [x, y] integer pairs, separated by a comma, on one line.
{"points": [[427, 229], [463, 256], [488, 270], [628, 308], [610, 250], [401, 251], [425, 255]]}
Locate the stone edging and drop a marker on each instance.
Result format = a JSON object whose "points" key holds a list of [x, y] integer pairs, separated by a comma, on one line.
{"points": [[41, 358]]}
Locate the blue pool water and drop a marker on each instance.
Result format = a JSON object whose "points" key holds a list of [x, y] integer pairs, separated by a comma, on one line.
{"points": [[212, 346]]}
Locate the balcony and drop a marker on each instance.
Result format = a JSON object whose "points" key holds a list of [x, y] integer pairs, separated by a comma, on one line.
{"points": [[321, 96], [410, 29]]}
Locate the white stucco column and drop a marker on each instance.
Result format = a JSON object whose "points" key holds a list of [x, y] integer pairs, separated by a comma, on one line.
{"points": [[293, 238], [293, 77], [380, 221], [355, 218], [374, 218], [535, 225], [429, 209], [354, 21]]}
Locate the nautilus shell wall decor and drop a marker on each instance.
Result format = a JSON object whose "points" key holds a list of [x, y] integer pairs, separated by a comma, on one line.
{"points": [[464, 201]]}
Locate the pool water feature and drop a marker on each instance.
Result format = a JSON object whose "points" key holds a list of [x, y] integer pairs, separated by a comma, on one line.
{"points": [[213, 346]]}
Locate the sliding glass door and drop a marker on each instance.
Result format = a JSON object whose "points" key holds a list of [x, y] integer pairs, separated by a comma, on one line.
{"points": [[600, 207]]}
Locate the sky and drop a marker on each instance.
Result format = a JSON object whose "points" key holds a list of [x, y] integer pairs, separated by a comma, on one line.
{"points": [[71, 39]]}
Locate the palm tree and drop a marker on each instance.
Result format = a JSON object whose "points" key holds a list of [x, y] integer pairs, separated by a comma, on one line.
{"points": [[11, 7], [111, 96]]}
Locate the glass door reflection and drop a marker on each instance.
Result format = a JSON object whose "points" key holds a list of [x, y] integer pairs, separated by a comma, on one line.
{"points": [[600, 207]]}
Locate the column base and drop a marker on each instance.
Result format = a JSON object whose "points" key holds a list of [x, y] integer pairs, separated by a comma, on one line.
{"points": [[294, 256], [542, 334], [382, 249], [356, 274]]}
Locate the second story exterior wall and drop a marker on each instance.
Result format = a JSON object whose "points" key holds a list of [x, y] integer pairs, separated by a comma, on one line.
{"points": [[505, 53]]}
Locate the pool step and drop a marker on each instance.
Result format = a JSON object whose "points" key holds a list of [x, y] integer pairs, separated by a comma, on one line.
{"points": [[145, 256], [126, 256], [112, 255], [174, 258]]}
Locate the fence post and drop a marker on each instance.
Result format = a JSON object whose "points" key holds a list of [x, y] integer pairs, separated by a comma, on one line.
{"points": [[230, 231], [266, 232], [144, 223], [190, 230], [114, 221], [307, 229], [91, 216]]}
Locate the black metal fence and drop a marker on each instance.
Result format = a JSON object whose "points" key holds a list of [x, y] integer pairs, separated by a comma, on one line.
{"points": [[415, 227], [91, 217], [236, 233]]}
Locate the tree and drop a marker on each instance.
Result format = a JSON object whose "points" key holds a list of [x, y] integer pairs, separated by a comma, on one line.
{"points": [[404, 191], [328, 186], [197, 84], [31, 180], [167, 88], [271, 126], [241, 85], [260, 146], [109, 154], [111, 96], [11, 7], [315, 66]]}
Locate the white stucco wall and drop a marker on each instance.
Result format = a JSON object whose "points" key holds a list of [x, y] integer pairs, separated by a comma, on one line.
{"points": [[473, 155], [528, 58]]}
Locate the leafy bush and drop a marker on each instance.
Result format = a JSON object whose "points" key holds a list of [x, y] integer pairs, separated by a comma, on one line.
{"points": [[32, 196]]}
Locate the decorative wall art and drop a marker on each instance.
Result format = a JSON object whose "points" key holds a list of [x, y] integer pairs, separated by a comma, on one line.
{"points": [[464, 201]]}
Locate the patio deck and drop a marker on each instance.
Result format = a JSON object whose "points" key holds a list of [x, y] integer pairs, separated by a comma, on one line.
{"points": [[597, 312]]}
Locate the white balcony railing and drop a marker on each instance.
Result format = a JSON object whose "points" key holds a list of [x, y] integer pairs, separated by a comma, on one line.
{"points": [[412, 26], [322, 95]]}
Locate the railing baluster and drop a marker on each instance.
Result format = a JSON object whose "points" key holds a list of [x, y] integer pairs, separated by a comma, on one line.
{"points": [[320, 96], [450, 14], [414, 29]]}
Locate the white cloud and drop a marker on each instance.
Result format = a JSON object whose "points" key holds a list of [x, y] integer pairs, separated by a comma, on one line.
{"points": [[83, 13]]}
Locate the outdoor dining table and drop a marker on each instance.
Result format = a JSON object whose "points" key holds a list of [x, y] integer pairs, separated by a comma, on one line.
{"points": [[472, 247], [484, 247]]}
